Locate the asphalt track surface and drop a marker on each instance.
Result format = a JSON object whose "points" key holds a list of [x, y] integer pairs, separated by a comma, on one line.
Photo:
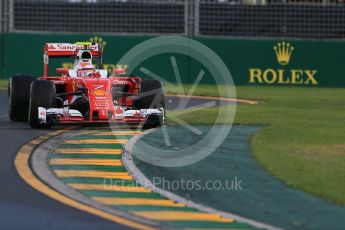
{"points": [[21, 206]]}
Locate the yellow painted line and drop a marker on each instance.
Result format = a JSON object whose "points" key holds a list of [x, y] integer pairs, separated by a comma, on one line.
{"points": [[105, 187], [137, 201], [93, 174], [22, 165], [80, 161], [109, 133], [180, 215], [246, 101], [87, 151], [96, 141]]}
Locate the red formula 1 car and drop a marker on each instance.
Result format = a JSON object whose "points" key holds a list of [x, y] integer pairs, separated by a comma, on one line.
{"points": [[84, 94]]}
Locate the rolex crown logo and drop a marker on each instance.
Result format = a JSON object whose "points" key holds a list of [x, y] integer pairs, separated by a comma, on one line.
{"points": [[98, 40], [283, 52]]}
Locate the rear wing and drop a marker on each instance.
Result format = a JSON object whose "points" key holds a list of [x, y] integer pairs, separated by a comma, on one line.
{"points": [[70, 50]]}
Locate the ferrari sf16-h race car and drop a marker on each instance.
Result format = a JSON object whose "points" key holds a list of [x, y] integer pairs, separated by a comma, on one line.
{"points": [[84, 94]]}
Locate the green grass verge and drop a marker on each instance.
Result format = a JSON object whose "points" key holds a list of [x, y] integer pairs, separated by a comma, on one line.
{"points": [[302, 142], [3, 84]]}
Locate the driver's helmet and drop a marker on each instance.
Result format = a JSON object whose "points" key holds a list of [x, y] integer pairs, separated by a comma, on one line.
{"points": [[86, 70]]}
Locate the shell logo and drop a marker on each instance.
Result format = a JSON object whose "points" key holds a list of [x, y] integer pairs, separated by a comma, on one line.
{"points": [[118, 110], [99, 93]]}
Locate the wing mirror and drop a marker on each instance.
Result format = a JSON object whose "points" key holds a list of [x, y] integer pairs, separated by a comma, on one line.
{"points": [[62, 71]]}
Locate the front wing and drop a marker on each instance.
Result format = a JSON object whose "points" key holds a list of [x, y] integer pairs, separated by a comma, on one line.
{"points": [[132, 116]]}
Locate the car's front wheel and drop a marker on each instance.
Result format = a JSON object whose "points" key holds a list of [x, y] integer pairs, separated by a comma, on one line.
{"points": [[42, 94], [151, 96]]}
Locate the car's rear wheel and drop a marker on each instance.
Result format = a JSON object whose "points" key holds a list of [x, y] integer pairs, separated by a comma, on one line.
{"points": [[151, 96], [42, 94], [19, 97]]}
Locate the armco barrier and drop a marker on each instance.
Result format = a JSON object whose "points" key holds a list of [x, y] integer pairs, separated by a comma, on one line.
{"points": [[251, 62]]}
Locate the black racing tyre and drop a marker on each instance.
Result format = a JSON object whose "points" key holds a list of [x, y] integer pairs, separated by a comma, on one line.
{"points": [[19, 97], [42, 94], [153, 121], [151, 95]]}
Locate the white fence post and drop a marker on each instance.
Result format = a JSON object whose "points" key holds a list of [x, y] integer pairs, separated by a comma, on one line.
{"points": [[10, 16], [1, 16], [196, 17]]}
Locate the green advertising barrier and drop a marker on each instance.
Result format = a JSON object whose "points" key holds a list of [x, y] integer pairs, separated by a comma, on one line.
{"points": [[279, 62], [251, 62], [1, 55]]}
